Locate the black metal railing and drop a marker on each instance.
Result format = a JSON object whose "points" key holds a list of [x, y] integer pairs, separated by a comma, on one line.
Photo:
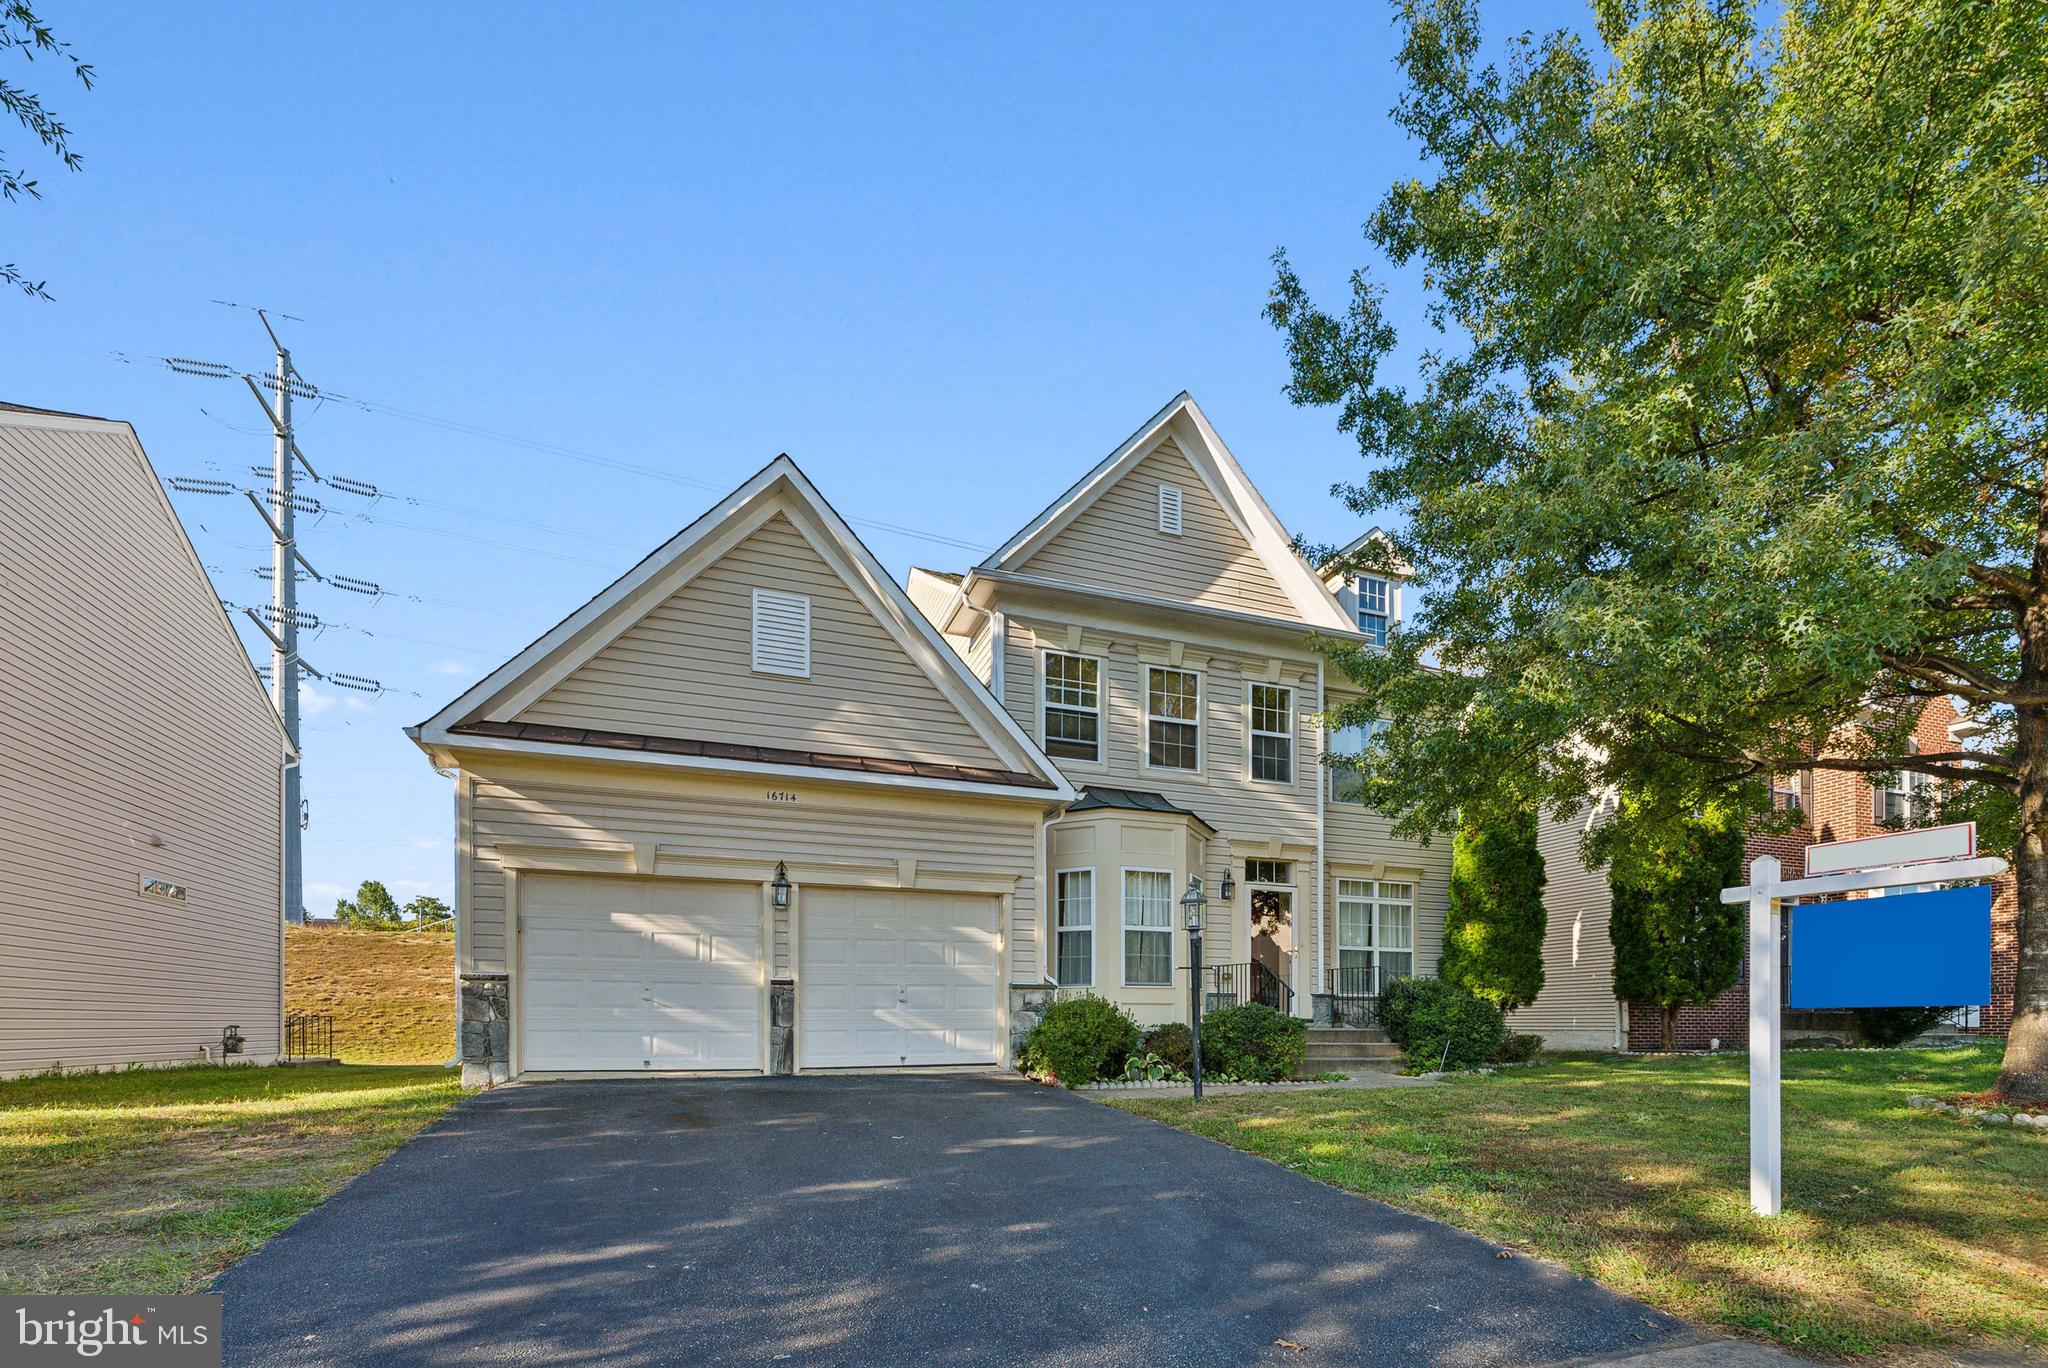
{"points": [[1230, 985], [1354, 993], [309, 1035]]}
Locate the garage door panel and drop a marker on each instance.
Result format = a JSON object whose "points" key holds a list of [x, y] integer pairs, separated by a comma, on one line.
{"points": [[892, 978], [630, 974]]}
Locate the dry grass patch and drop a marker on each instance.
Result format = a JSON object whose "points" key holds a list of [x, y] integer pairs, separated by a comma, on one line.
{"points": [[1904, 1229], [153, 1180], [391, 993]]}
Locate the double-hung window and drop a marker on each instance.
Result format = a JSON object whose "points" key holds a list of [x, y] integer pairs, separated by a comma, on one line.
{"points": [[1272, 732], [1074, 928], [1375, 935], [1148, 928], [1902, 798], [1374, 599], [1346, 784], [1073, 706], [1173, 718]]}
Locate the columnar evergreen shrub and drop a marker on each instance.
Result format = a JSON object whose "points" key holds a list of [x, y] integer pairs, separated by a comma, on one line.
{"points": [[1493, 934], [1676, 944]]}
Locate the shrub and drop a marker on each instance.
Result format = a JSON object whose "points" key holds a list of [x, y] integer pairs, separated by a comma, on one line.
{"points": [[1174, 1043], [1493, 933], [1081, 1040], [1440, 1024], [1518, 1047], [1253, 1042], [1889, 1026]]}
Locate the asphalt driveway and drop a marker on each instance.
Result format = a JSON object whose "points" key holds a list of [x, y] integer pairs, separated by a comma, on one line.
{"points": [[878, 1220]]}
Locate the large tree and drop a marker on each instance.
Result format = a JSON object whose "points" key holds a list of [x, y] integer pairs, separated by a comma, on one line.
{"points": [[23, 33], [1733, 449], [1493, 929]]}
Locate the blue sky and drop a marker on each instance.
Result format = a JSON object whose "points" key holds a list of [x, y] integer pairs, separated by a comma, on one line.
{"points": [[945, 258]]}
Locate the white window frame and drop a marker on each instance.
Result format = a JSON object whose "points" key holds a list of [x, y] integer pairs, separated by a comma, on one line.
{"points": [[1336, 772], [1252, 733], [1150, 717], [1045, 704], [1386, 608], [1124, 924], [1907, 789], [1172, 498], [781, 600], [1060, 927], [1376, 903]]}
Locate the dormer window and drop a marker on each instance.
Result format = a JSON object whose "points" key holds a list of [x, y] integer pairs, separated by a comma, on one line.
{"points": [[1169, 509], [1374, 596]]}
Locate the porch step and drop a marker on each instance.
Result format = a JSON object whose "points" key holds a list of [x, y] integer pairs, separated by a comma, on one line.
{"points": [[1319, 1054], [1346, 1034], [1311, 1067]]}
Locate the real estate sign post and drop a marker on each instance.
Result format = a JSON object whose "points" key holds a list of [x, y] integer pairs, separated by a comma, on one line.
{"points": [[1951, 965]]}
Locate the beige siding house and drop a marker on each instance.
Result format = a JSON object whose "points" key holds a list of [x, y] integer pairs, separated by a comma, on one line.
{"points": [[140, 772], [758, 808]]}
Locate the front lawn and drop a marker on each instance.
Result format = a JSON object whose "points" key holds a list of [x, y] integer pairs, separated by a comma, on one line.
{"points": [[1902, 1227], [153, 1180]]}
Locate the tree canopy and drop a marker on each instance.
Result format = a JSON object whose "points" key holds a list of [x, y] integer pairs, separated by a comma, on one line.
{"points": [[1734, 446], [22, 32]]}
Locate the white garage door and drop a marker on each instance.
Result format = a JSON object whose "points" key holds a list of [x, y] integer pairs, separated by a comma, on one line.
{"points": [[897, 978], [639, 974]]}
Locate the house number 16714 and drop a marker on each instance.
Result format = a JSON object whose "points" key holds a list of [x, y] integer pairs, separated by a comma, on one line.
{"points": [[781, 796]]}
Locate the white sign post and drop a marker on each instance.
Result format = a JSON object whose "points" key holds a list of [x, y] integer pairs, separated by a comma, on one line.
{"points": [[1930, 855]]}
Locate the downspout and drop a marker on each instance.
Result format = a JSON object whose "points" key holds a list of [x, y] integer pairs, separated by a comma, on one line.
{"points": [[1322, 792], [999, 640]]}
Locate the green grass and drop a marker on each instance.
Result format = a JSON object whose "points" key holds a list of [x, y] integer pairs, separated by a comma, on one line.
{"points": [[1903, 1228], [153, 1180]]}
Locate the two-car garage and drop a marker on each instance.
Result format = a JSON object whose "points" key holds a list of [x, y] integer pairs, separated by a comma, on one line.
{"points": [[622, 974]]}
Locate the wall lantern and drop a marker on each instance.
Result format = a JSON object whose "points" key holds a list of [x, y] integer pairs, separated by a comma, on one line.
{"points": [[1228, 888], [781, 886]]}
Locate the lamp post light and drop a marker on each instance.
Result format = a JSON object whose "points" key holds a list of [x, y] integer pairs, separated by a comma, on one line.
{"points": [[1191, 904]]}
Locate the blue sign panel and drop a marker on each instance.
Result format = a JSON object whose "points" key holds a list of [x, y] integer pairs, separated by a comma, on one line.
{"points": [[1911, 950]]}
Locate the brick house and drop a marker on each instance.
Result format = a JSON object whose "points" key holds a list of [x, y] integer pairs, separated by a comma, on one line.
{"points": [[1577, 1006]]}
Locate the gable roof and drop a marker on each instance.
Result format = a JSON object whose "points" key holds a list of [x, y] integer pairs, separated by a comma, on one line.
{"points": [[1183, 420], [483, 716], [56, 420], [1333, 565]]}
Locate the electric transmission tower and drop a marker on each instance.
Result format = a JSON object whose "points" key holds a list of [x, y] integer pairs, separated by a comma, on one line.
{"points": [[280, 505]]}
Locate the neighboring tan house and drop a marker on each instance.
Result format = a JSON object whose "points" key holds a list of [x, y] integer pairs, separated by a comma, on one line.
{"points": [[1577, 1008], [140, 772], [758, 808]]}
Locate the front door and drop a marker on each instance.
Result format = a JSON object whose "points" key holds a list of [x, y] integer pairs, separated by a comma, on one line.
{"points": [[1272, 946]]}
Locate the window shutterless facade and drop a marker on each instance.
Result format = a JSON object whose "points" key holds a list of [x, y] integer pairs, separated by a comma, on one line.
{"points": [[1346, 785], [1374, 600], [1272, 733], [1074, 928], [1375, 934], [1173, 718], [1073, 706], [1148, 928]]}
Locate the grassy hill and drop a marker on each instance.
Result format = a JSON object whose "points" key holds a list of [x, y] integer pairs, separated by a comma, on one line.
{"points": [[391, 993]]}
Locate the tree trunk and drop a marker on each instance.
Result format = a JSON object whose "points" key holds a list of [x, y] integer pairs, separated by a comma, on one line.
{"points": [[2023, 1076], [1670, 1015]]}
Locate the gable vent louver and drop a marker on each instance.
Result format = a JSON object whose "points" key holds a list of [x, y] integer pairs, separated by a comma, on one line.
{"points": [[782, 633], [1169, 509]]}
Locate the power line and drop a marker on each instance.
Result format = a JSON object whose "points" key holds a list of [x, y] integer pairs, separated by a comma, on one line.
{"points": [[555, 449]]}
